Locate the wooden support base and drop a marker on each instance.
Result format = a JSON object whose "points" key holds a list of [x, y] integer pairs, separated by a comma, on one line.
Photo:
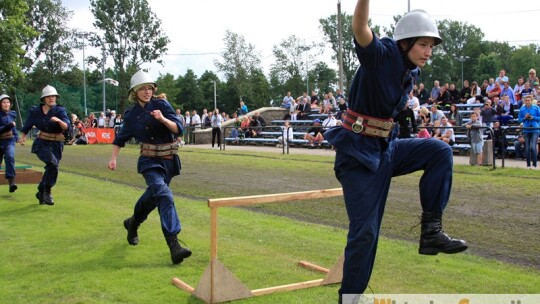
{"points": [[218, 284], [22, 176]]}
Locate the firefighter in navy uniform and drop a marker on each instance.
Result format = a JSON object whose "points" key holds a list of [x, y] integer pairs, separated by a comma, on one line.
{"points": [[52, 121], [8, 138], [154, 123], [368, 154]]}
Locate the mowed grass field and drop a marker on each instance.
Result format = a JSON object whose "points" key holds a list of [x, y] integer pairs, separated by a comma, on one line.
{"points": [[76, 251]]}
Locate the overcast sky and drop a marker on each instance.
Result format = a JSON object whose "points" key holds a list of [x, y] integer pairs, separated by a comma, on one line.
{"points": [[196, 28]]}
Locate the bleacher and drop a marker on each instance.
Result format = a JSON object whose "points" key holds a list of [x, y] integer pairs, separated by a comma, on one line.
{"points": [[269, 134]]}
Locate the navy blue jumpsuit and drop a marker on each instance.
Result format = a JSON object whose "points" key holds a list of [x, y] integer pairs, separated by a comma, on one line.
{"points": [[365, 165], [49, 152], [157, 171], [7, 145]]}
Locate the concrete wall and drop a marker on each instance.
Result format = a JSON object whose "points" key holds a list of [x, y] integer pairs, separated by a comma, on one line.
{"points": [[204, 136]]}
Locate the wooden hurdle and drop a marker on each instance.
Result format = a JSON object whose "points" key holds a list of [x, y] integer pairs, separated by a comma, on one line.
{"points": [[24, 175], [218, 284]]}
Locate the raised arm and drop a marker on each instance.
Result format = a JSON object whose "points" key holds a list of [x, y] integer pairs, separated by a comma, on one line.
{"points": [[361, 30]]}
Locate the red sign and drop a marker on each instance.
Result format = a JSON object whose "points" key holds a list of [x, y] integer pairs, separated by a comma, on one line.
{"points": [[100, 135]]}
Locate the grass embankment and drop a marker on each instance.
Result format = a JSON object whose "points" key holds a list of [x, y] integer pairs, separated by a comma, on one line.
{"points": [[76, 252]]}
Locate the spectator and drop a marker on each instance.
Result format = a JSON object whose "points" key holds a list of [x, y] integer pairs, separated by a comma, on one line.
{"points": [[423, 132], [505, 110], [532, 78], [258, 117], [414, 104], [342, 108], [51, 120], [491, 85], [454, 116], [474, 134], [329, 122], [101, 120], [496, 91], [188, 137], [465, 91], [287, 134], [196, 121], [112, 117], [520, 85], [447, 132], [435, 114], [483, 88], [8, 138], [205, 120], [314, 100], [444, 100], [243, 110], [287, 101], [216, 122], [244, 127], [497, 139], [519, 147], [506, 90], [423, 96], [536, 91], [407, 122], [303, 109], [254, 127], [487, 114], [435, 92], [314, 135], [529, 116], [502, 77], [154, 124], [454, 94], [92, 121]]}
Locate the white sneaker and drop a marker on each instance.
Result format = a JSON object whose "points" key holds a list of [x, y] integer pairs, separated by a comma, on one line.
{"points": [[529, 167]]}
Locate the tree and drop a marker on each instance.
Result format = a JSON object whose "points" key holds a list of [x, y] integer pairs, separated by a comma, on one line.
{"points": [[190, 96], [132, 36], [523, 59], [240, 61], [49, 18], [167, 84], [293, 58], [326, 77], [14, 33]]}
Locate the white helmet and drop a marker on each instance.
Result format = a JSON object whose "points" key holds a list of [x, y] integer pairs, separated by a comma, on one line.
{"points": [[140, 78], [4, 96], [49, 91], [417, 23]]}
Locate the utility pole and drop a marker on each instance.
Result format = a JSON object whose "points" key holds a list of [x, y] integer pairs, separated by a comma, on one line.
{"points": [[340, 46], [103, 79]]}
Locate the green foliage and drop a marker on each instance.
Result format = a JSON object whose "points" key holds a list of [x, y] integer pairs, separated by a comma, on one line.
{"points": [[49, 18], [132, 36], [14, 34], [240, 61]]}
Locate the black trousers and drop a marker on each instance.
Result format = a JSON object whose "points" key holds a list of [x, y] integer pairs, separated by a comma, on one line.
{"points": [[216, 131]]}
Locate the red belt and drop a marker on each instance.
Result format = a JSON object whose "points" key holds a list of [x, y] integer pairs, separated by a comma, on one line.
{"points": [[367, 125]]}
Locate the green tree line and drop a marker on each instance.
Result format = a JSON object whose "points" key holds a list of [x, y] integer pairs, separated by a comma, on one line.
{"points": [[41, 47]]}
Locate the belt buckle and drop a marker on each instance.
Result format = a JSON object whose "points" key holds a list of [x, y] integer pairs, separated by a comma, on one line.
{"points": [[358, 126]]}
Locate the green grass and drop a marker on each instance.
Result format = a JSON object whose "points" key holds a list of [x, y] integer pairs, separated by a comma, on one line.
{"points": [[76, 251]]}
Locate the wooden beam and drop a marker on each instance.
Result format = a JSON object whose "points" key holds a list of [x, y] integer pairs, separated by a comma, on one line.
{"points": [[313, 267], [289, 287], [273, 198], [182, 285]]}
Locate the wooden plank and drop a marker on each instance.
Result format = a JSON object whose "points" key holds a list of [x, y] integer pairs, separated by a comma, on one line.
{"points": [[289, 287], [182, 285], [23, 176], [272, 198], [313, 267]]}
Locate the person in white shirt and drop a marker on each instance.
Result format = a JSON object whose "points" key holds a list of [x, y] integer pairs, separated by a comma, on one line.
{"points": [[414, 104], [329, 122], [195, 119], [287, 135], [447, 135]]}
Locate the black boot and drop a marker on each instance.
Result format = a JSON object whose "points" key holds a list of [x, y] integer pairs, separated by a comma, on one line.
{"points": [[46, 197], [39, 196], [178, 253], [433, 240], [12, 185], [131, 226]]}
